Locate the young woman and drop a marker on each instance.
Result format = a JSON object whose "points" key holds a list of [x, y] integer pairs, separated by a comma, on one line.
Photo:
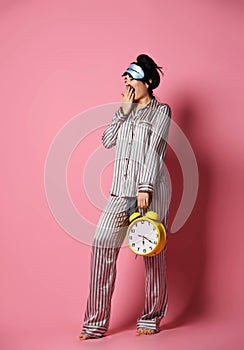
{"points": [[139, 130]]}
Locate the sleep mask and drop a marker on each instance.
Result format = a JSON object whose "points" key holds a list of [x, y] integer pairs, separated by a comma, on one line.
{"points": [[135, 71]]}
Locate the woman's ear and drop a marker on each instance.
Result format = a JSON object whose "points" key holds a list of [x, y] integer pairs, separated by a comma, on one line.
{"points": [[150, 81]]}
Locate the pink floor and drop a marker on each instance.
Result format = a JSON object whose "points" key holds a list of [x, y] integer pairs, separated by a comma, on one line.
{"points": [[198, 335]]}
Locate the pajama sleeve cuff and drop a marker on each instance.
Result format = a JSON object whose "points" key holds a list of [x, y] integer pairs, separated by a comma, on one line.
{"points": [[119, 115], [145, 188]]}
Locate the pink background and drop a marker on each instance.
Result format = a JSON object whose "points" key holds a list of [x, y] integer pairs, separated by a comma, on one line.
{"points": [[60, 58]]}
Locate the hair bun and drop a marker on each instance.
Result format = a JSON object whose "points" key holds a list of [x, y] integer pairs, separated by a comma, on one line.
{"points": [[146, 61], [151, 70]]}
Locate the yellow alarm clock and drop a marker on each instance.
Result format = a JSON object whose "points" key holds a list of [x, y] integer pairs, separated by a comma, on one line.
{"points": [[146, 235]]}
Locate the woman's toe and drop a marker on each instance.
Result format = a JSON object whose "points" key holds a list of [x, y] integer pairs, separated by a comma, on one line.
{"points": [[84, 336]]}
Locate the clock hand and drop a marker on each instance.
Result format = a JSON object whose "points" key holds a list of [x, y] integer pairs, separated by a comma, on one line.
{"points": [[146, 238], [149, 240], [143, 242]]}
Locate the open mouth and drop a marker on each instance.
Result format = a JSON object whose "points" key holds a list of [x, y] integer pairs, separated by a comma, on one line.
{"points": [[133, 89]]}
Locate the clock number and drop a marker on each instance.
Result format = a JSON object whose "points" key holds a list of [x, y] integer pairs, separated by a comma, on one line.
{"points": [[144, 250], [130, 237], [138, 248], [150, 247], [133, 244], [133, 230], [155, 242], [142, 221]]}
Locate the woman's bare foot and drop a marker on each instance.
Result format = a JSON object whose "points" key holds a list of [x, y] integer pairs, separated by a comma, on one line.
{"points": [[84, 336], [144, 331]]}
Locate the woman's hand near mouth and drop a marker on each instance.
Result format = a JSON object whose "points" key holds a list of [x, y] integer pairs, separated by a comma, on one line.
{"points": [[127, 99]]}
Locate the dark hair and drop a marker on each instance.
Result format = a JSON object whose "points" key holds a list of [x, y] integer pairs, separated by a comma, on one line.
{"points": [[151, 70]]}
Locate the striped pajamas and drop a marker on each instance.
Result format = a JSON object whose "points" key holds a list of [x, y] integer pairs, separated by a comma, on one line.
{"points": [[140, 152]]}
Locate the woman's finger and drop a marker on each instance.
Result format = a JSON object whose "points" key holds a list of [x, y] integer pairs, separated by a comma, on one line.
{"points": [[127, 93], [143, 200], [131, 94]]}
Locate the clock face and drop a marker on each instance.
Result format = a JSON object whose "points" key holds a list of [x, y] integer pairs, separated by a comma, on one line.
{"points": [[143, 237]]}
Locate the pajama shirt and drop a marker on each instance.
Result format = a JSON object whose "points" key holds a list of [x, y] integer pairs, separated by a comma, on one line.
{"points": [[140, 140]]}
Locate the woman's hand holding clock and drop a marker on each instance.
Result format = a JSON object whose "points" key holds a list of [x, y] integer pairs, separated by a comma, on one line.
{"points": [[143, 200], [127, 99]]}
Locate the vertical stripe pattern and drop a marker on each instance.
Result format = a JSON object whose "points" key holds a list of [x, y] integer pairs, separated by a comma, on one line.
{"points": [[109, 236], [140, 139]]}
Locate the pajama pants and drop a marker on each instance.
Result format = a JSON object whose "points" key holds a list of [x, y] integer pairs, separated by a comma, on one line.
{"points": [[108, 239]]}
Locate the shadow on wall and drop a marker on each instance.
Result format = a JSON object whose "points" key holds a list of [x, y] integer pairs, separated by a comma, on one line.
{"points": [[187, 248]]}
